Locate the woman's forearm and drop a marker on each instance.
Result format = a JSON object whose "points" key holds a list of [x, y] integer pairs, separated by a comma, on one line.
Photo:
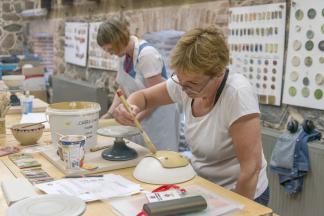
{"points": [[247, 182], [138, 99]]}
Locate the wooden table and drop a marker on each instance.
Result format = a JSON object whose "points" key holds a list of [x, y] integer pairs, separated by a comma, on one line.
{"points": [[100, 208]]}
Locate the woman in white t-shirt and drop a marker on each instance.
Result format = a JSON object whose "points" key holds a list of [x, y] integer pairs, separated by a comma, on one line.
{"points": [[141, 66], [222, 117]]}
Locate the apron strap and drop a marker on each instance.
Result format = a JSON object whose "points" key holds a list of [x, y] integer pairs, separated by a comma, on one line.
{"points": [[219, 90], [221, 87], [132, 73]]}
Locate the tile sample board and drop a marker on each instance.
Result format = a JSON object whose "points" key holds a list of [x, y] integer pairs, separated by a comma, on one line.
{"points": [[256, 37], [304, 79], [76, 43], [98, 58]]}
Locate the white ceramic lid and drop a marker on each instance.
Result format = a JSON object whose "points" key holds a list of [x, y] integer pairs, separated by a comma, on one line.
{"points": [[48, 205]]}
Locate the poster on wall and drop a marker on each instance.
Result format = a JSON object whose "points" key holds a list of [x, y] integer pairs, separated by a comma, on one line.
{"points": [[304, 80], [256, 37], [97, 57], [76, 43]]}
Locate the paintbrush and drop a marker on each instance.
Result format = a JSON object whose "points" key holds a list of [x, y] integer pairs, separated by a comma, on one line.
{"points": [[30, 125], [146, 138]]}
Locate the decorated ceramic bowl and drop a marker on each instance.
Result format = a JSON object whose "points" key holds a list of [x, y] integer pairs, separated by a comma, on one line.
{"points": [[27, 135]]}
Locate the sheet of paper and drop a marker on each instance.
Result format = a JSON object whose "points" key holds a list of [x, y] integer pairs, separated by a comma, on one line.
{"points": [[216, 204], [92, 188], [34, 118]]}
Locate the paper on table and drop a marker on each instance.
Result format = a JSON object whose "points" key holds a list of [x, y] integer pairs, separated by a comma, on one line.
{"points": [[216, 204], [92, 188], [34, 118]]}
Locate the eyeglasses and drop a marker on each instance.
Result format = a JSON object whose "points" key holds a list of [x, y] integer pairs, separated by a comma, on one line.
{"points": [[193, 88]]}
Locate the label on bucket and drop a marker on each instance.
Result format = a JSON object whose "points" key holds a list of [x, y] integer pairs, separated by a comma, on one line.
{"points": [[86, 124]]}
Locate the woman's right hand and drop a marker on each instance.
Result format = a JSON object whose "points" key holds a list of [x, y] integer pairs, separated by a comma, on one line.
{"points": [[123, 117]]}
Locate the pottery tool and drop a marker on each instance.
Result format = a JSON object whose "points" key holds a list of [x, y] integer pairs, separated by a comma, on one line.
{"points": [[30, 125], [176, 206], [98, 148], [146, 138]]}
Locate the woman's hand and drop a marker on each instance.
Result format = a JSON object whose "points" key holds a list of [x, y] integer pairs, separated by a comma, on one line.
{"points": [[123, 117], [107, 115]]}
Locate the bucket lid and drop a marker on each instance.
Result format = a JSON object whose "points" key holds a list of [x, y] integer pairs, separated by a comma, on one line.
{"points": [[73, 108]]}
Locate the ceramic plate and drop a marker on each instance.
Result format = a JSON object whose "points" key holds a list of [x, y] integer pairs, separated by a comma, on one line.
{"points": [[48, 205], [118, 131]]}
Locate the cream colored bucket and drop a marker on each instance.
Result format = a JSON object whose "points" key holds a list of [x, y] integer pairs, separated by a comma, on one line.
{"points": [[74, 118]]}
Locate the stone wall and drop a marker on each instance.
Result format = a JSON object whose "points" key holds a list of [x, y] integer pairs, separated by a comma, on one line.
{"points": [[11, 26], [180, 17], [153, 16]]}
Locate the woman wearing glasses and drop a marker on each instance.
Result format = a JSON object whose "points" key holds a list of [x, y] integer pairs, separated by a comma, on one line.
{"points": [[222, 114], [141, 66]]}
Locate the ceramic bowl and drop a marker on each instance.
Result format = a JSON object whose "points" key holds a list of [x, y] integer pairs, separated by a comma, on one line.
{"points": [[13, 81], [28, 135]]}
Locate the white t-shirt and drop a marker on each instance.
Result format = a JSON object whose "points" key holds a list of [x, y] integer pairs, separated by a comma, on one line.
{"points": [[208, 136], [149, 62]]}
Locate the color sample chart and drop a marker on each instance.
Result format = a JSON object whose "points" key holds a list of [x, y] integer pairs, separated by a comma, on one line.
{"points": [[76, 43], [98, 58], [256, 39], [304, 80]]}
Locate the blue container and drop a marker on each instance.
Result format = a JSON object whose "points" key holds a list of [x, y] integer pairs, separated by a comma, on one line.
{"points": [[7, 67]]}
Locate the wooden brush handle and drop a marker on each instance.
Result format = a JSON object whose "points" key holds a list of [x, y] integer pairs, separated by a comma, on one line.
{"points": [[146, 138]]}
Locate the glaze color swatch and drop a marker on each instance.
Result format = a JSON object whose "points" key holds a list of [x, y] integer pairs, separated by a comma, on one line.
{"points": [[76, 43], [304, 79], [98, 58], [256, 37]]}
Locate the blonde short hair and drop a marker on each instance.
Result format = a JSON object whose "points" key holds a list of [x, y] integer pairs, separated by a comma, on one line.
{"points": [[202, 51], [114, 32]]}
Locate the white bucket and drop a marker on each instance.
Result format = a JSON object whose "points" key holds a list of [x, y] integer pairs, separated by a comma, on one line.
{"points": [[74, 118]]}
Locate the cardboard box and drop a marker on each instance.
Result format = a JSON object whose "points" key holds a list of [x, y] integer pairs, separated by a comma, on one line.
{"points": [[40, 94], [35, 63], [28, 72]]}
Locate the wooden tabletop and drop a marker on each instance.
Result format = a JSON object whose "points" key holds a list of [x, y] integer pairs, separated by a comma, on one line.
{"points": [[100, 208]]}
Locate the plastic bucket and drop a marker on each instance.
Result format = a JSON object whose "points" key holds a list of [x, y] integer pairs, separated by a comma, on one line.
{"points": [[74, 118]]}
